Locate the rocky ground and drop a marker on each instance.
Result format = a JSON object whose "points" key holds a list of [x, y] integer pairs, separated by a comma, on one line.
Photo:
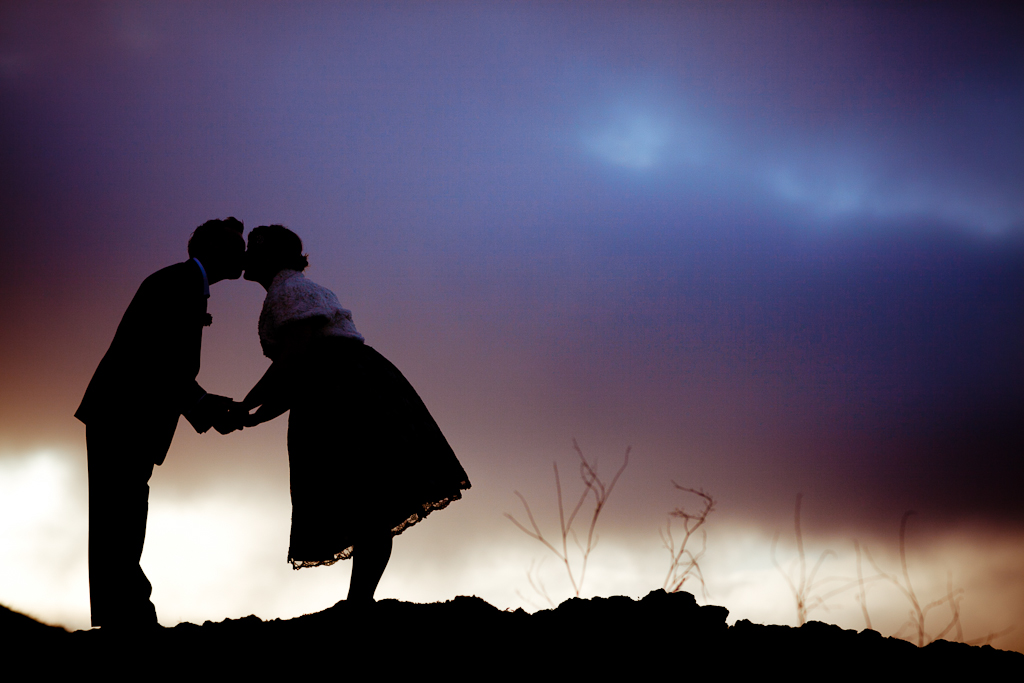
{"points": [[659, 635]]}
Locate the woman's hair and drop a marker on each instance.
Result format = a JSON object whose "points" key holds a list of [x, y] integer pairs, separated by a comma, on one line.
{"points": [[281, 247]]}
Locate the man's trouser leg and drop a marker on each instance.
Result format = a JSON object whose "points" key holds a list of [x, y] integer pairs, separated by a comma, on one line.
{"points": [[119, 473]]}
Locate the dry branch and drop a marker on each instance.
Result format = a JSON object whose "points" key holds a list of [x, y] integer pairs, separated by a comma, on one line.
{"points": [[592, 484], [685, 563], [916, 623], [805, 590]]}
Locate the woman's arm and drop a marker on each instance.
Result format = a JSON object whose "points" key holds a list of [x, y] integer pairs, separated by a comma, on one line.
{"points": [[265, 388], [268, 395], [273, 393]]}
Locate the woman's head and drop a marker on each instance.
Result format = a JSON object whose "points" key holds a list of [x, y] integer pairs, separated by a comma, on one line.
{"points": [[272, 248]]}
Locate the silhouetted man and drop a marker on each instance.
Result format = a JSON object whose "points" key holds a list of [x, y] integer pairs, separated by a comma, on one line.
{"points": [[144, 382]]}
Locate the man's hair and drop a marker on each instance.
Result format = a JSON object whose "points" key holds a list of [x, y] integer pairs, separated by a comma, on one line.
{"points": [[215, 237]]}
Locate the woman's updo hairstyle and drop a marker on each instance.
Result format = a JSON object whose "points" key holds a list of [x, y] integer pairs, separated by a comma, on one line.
{"points": [[281, 247]]}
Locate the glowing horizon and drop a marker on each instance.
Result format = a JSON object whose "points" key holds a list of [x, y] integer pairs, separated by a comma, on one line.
{"points": [[213, 555]]}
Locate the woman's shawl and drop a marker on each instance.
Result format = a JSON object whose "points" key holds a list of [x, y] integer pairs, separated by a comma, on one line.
{"points": [[291, 298]]}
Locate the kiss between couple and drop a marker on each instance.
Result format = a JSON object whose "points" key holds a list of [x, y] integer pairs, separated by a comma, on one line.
{"points": [[366, 458]]}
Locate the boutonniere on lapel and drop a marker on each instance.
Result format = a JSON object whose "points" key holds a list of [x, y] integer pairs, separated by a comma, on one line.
{"points": [[207, 319]]}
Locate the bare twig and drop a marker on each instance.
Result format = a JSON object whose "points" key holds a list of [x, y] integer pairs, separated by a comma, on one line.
{"points": [[592, 484], [987, 639], [916, 623], [862, 598], [807, 599], [805, 590], [537, 585], [685, 563]]}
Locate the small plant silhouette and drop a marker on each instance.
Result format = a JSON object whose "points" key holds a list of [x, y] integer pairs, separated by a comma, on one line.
{"points": [[684, 563], [805, 588], [592, 486], [914, 628]]}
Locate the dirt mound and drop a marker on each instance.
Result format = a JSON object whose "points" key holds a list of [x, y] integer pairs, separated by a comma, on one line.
{"points": [[661, 634]]}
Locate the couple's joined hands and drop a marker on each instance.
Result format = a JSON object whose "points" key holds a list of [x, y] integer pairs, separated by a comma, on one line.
{"points": [[233, 417], [221, 413]]}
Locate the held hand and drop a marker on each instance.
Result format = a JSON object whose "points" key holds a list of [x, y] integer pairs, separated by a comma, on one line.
{"points": [[231, 418], [209, 410], [251, 420]]}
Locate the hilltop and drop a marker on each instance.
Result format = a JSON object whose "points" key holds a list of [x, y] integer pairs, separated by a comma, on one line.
{"points": [[657, 635]]}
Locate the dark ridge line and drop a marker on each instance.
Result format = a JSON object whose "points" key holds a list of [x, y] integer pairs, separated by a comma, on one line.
{"points": [[599, 636]]}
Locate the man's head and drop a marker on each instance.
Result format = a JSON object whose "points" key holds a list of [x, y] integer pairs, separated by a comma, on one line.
{"points": [[220, 247]]}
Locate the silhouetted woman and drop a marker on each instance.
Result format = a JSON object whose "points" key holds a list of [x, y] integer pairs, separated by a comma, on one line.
{"points": [[366, 458]]}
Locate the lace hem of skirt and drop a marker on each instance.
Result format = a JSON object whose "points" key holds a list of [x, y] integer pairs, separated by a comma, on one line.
{"points": [[413, 519]]}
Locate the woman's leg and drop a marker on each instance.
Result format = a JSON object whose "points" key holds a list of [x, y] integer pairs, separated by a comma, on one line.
{"points": [[372, 552]]}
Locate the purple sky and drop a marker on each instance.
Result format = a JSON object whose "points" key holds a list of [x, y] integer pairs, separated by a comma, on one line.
{"points": [[776, 249]]}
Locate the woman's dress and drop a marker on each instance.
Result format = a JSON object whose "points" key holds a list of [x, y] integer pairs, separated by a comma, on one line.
{"points": [[364, 451]]}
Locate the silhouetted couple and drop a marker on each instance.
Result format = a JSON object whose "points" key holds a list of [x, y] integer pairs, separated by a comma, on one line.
{"points": [[367, 460]]}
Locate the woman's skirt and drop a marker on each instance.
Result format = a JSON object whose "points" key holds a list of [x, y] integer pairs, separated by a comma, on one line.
{"points": [[365, 455]]}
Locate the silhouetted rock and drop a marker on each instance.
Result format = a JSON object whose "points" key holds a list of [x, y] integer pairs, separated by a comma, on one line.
{"points": [[16, 627], [662, 634]]}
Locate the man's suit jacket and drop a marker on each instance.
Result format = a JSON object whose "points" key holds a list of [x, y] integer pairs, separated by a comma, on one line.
{"points": [[148, 376]]}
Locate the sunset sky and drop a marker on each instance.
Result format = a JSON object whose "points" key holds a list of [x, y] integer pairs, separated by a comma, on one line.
{"points": [[776, 249]]}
